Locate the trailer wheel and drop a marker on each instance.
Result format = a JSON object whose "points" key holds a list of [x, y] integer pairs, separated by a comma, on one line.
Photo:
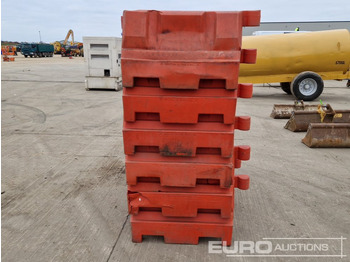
{"points": [[25, 56], [307, 86], [286, 87]]}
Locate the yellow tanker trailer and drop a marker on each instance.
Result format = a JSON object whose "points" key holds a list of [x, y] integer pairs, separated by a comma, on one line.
{"points": [[299, 61]]}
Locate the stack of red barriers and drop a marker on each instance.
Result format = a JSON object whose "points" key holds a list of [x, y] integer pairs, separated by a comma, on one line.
{"points": [[180, 78]]}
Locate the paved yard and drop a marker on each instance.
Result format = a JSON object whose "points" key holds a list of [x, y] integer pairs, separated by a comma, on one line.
{"points": [[63, 179]]}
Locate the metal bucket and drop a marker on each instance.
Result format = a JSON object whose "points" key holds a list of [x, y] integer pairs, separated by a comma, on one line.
{"points": [[285, 111], [328, 135]]}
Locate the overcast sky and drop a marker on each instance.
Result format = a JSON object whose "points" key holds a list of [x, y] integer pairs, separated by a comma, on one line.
{"points": [[22, 20]]}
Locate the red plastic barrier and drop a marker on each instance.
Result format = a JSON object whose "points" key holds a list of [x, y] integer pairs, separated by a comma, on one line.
{"points": [[178, 174], [150, 155], [149, 123], [207, 88], [180, 73], [180, 70], [171, 171], [181, 49], [179, 142], [203, 186], [184, 110], [181, 230], [182, 204], [171, 30]]}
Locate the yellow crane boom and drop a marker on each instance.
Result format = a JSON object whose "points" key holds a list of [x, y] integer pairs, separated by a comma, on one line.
{"points": [[58, 45], [70, 33]]}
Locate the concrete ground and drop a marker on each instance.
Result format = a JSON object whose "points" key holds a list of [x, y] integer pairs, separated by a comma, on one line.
{"points": [[63, 192]]}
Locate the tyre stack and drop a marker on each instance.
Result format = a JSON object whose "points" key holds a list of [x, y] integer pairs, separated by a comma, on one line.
{"points": [[180, 77]]}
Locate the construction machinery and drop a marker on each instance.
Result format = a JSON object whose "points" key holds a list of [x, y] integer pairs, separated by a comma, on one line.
{"points": [[57, 47], [300, 62], [8, 52], [79, 50], [70, 33], [72, 50], [68, 48], [59, 44]]}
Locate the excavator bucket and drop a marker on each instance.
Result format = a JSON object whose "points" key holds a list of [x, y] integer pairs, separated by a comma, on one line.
{"points": [[328, 135], [300, 120], [285, 111]]}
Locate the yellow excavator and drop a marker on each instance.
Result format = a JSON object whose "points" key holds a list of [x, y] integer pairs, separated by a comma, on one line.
{"points": [[58, 44]]}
